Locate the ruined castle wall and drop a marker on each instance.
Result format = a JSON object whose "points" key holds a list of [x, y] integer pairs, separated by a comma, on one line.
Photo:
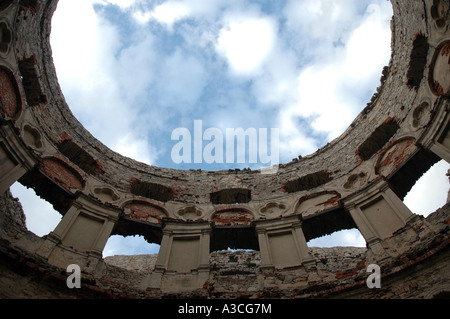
{"points": [[420, 269]]}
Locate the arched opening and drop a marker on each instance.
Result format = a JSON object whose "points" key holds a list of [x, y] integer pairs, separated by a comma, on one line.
{"points": [[234, 250], [332, 229], [233, 233], [131, 237], [233, 238], [133, 246], [430, 192], [341, 238], [129, 245], [41, 217]]}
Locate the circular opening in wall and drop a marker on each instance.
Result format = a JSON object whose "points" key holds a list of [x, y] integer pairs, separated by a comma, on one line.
{"points": [[164, 82]]}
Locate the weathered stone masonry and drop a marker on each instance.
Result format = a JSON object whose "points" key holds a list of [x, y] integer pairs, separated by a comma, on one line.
{"points": [[356, 181]]}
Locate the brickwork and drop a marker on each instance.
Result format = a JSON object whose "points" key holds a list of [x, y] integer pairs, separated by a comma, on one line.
{"points": [[419, 268], [134, 262]]}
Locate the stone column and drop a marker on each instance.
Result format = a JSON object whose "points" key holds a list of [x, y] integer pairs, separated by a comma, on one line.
{"points": [[14, 159], [282, 243], [436, 136], [378, 213], [81, 235], [183, 259], [266, 263]]}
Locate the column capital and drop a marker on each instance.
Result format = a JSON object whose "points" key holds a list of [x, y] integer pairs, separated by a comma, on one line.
{"points": [[292, 221], [375, 187], [90, 205]]}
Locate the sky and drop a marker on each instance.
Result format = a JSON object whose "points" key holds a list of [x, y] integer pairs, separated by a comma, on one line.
{"points": [[133, 71]]}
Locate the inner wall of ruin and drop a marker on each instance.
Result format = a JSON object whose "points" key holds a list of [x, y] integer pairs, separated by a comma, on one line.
{"points": [[357, 181]]}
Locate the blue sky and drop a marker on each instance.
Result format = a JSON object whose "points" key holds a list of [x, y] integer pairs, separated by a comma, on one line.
{"points": [[133, 71], [305, 67]]}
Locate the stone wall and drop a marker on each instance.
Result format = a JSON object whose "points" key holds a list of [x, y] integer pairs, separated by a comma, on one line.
{"points": [[232, 262], [132, 262], [417, 267]]}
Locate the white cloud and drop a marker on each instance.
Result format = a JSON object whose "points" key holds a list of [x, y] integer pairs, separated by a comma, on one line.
{"points": [[343, 238], [124, 4], [166, 13], [183, 78], [368, 46], [94, 81], [246, 43], [79, 47], [294, 140], [83, 57], [170, 12], [142, 17], [135, 148], [135, 69], [41, 218], [277, 86], [317, 26], [430, 191], [340, 76]]}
